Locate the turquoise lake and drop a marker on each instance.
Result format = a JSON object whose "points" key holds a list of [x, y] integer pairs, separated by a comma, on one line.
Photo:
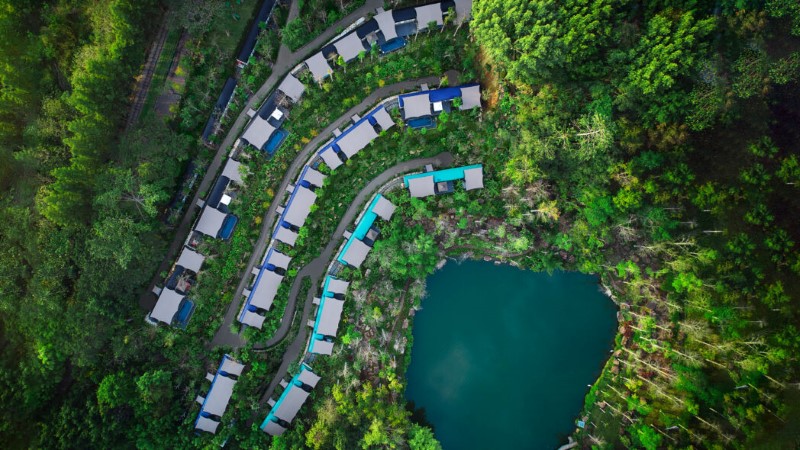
{"points": [[502, 357]]}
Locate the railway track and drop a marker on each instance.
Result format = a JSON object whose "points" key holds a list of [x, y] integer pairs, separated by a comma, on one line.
{"points": [[143, 86]]}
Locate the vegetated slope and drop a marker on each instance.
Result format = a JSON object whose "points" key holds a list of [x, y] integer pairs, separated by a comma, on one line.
{"points": [[650, 142], [666, 132], [81, 233]]}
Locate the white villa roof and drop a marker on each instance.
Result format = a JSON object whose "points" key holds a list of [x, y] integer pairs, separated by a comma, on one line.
{"points": [[308, 377], [329, 314], [427, 14], [252, 319], [278, 259], [190, 260], [356, 253], [421, 187], [470, 97], [232, 367], [473, 178], [167, 305], [232, 171], [286, 235], [416, 106], [219, 395], [337, 286], [313, 176], [331, 159], [384, 208], [206, 424], [349, 46], [319, 66], [291, 403], [463, 10], [292, 87], [258, 132], [383, 118], [265, 290], [299, 206], [273, 428], [386, 24], [359, 136], [210, 221]]}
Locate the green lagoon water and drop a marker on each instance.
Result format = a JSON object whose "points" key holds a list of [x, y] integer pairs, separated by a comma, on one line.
{"points": [[502, 357]]}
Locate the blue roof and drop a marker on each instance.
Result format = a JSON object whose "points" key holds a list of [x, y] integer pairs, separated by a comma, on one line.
{"points": [[452, 174], [216, 192], [335, 141], [212, 120], [439, 95], [288, 204], [258, 280], [362, 227], [252, 36], [227, 92], [222, 102], [219, 368]]}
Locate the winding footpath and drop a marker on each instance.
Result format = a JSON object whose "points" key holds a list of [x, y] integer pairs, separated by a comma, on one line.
{"points": [[286, 61], [316, 269], [224, 337]]}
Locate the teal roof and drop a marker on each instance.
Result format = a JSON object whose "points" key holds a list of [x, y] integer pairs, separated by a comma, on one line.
{"points": [[362, 227], [292, 385], [366, 222], [452, 174], [325, 294]]}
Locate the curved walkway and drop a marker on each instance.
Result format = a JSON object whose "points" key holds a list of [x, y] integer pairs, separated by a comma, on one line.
{"points": [[224, 337], [316, 269], [286, 61]]}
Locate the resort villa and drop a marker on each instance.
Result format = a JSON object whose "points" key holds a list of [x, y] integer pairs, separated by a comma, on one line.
{"points": [[364, 130], [289, 403], [420, 108], [329, 314], [264, 131], [262, 293], [294, 214], [385, 32], [360, 242], [213, 405], [443, 181]]}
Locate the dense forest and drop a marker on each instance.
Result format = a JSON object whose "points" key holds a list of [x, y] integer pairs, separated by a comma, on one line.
{"points": [[652, 143]]}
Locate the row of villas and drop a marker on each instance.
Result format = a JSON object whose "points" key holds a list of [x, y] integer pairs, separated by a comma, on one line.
{"points": [[326, 325], [302, 195], [359, 242], [294, 214], [330, 304], [173, 305], [387, 31]]}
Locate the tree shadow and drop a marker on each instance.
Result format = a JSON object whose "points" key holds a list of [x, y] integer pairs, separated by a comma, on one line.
{"points": [[418, 415]]}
